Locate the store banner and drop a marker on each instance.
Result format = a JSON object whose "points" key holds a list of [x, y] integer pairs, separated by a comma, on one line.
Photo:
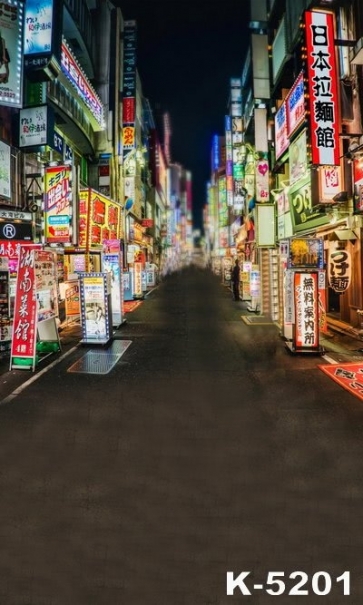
{"points": [[72, 300], [323, 322], [24, 336], [306, 328], [339, 269], [281, 138], [323, 87], [99, 219], [295, 105], [36, 127], [57, 204], [11, 66], [138, 279], [262, 181], [81, 84]]}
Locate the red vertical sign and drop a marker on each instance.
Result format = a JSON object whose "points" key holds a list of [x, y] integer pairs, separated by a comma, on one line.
{"points": [[323, 87], [25, 309]]}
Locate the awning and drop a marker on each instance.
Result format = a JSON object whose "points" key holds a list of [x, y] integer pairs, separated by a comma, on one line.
{"points": [[342, 235]]}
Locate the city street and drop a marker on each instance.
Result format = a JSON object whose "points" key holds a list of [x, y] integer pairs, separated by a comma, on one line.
{"points": [[208, 448]]}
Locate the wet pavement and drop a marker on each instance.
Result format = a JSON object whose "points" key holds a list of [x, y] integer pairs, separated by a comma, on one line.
{"points": [[208, 448]]}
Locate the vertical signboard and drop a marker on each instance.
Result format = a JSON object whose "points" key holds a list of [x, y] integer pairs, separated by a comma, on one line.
{"points": [[112, 264], [306, 328], [57, 204], [339, 269], [5, 174], [129, 88], [94, 308], [137, 280], [323, 87], [24, 337], [11, 48]]}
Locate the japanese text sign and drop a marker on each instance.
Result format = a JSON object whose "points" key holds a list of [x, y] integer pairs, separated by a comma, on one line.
{"points": [[25, 309], [57, 207], [323, 89], [340, 268], [306, 310]]}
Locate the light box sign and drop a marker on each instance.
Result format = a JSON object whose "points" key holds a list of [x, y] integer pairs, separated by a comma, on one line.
{"points": [[99, 218], [303, 213], [84, 89], [307, 252], [339, 269], [38, 27], [295, 105], [11, 70], [58, 204], [35, 126], [323, 88], [298, 162], [306, 296], [94, 308], [281, 138]]}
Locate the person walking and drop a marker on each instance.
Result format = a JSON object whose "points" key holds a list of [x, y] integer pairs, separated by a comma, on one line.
{"points": [[235, 280]]}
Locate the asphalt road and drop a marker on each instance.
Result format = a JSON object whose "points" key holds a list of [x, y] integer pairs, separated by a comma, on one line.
{"points": [[208, 448]]}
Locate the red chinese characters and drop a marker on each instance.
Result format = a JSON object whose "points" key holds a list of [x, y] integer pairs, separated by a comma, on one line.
{"points": [[24, 327]]}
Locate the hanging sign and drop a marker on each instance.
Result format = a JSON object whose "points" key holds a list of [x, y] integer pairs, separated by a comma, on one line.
{"points": [[339, 270], [323, 87]]}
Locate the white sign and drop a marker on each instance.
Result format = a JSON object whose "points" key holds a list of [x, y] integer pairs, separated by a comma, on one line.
{"points": [[5, 187], [33, 126]]}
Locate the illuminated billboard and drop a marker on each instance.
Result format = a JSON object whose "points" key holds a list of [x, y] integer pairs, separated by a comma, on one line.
{"points": [[11, 49]]}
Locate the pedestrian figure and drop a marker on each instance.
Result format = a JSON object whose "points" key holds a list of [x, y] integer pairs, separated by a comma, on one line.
{"points": [[235, 280]]}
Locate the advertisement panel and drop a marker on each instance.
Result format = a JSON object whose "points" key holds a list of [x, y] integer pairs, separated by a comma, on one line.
{"points": [[295, 105], [72, 302], [281, 138], [112, 264], [323, 87], [137, 279], [57, 204], [306, 328], [38, 27], [94, 308], [83, 223], [99, 219], [11, 41], [36, 126], [5, 186], [81, 84], [298, 161]]}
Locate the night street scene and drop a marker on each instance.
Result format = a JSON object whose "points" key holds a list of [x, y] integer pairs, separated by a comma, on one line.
{"points": [[181, 302]]}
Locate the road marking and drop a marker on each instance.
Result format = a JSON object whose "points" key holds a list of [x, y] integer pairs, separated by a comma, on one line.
{"points": [[329, 359], [35, 377]]}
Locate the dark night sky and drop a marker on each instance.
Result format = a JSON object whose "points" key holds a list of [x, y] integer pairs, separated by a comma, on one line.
{"points": [[187, 52]]}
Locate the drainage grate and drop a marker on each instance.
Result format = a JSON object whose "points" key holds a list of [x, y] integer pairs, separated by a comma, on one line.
{"points": [[100, 361]]}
